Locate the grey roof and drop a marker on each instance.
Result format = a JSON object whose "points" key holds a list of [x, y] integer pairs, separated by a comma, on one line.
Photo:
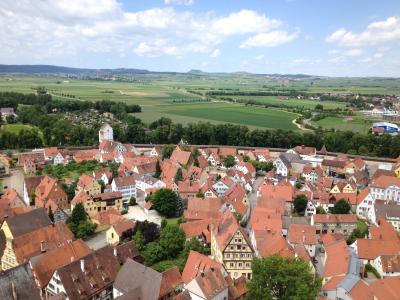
{"points": [[387, 209], [18, 283], [27, 222], [352, 277], [134, 275], [287, 221]]}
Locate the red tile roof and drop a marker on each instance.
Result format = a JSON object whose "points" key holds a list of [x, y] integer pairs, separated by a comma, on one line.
{"points": [[196, 264]]}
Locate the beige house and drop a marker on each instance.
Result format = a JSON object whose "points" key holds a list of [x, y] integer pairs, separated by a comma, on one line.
{"points": [[118, 231], [231, 246], [89, 185], [98, 203]]}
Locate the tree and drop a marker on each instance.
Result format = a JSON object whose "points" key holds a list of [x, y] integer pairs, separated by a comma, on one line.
{"points": [[341, 207], [132, 201], [78, 214], [167, 151], [300, 204], [275, 277], [153, 253], [166, 202], [178, 175], [319, 107], [158, 170], [51, 215], [138, 238], [229, 161], [85, 229], [149, 230], [172, 240]]}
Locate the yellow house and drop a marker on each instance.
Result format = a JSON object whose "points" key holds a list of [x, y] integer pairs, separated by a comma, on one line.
{"points": [[88, 184], [117, 232], [99, 202], [344, 187], [231, 247]]}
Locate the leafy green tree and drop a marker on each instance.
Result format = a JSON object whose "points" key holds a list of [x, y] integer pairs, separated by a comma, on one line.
{"points": [[166, 202], [132, 201], [85, 229], [319, 107], [172, 240], [300, 204], [167, 151], [229, 161], [78, 214], [158, 170], [138, 238], [341, 207], [149, 230], [164, 223], [320, 210], [276, 277], [178, 175], [153, 253]]}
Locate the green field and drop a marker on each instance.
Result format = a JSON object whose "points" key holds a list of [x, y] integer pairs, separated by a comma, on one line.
{"points": [[358, 123], [161, 95], [292, 102], [15, 128]]}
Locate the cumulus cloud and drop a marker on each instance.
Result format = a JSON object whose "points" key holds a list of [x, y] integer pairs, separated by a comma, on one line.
{"points": [[37, 30], [269, 39], [376, 32], [215, 53], [179, 2]]}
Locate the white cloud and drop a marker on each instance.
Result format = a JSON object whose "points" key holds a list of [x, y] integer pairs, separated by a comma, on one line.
{"points": [[378, 55], [215, 53], [269, 39], [300, 60], [260, 57], [39, 30], [179, 2], [376, 32], [353, 52]]}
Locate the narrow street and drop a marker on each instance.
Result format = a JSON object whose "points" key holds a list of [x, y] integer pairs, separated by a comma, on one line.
{"points": [[15, 180]]}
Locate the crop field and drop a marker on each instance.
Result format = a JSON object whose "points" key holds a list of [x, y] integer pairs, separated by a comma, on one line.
{"points": [[292, 102], [177, 96], [357, 123], [227, 113], [15, 128]]}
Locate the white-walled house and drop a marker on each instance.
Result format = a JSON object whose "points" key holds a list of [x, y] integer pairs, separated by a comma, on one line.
{"points": [[365, 204], [126, 185], [106, 133], [387, 265]]}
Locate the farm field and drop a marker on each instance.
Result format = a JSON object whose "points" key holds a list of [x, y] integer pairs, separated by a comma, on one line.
{"points": [[358, 124], [292, 102], [254, 117], [168, 95], [15, 128]]}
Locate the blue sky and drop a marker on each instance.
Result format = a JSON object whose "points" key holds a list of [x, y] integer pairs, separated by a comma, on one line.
{"points": [[337, 38]]}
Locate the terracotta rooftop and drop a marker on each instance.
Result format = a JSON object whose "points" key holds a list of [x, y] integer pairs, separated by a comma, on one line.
{"points": [[211, 283], [181, 157], [332, 218], [45, 264], [302, 234], [196, 264]]}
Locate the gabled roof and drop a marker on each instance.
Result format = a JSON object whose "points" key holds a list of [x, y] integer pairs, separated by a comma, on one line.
{"points": [[387, 288], [226, 228], [225, 151], [84, 181], [99, 271], [383, 181], [211, 283], [134, 275], [180, 156], [199, 208], [18, 281], [337, 260], [196, 264], [46, 238], [45, 264], [234, 196], [125, 181], [302, 234], [123, 226], [332, 218], [27, 222]]}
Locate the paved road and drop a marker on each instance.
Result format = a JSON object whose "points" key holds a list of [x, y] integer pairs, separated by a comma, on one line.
{"points": [[253, 195], [15, 180]]}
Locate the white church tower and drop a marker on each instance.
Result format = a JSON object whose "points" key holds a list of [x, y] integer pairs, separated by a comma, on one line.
{"points": [[106, 133]]}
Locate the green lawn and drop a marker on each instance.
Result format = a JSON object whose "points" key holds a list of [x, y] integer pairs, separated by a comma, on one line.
{"points": [[172, 221], [15, 128], [358, 124]]}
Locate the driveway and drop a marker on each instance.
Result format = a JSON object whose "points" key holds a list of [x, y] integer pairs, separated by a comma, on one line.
{"points": [[15, 180], [97, 241], [137, 213]]}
